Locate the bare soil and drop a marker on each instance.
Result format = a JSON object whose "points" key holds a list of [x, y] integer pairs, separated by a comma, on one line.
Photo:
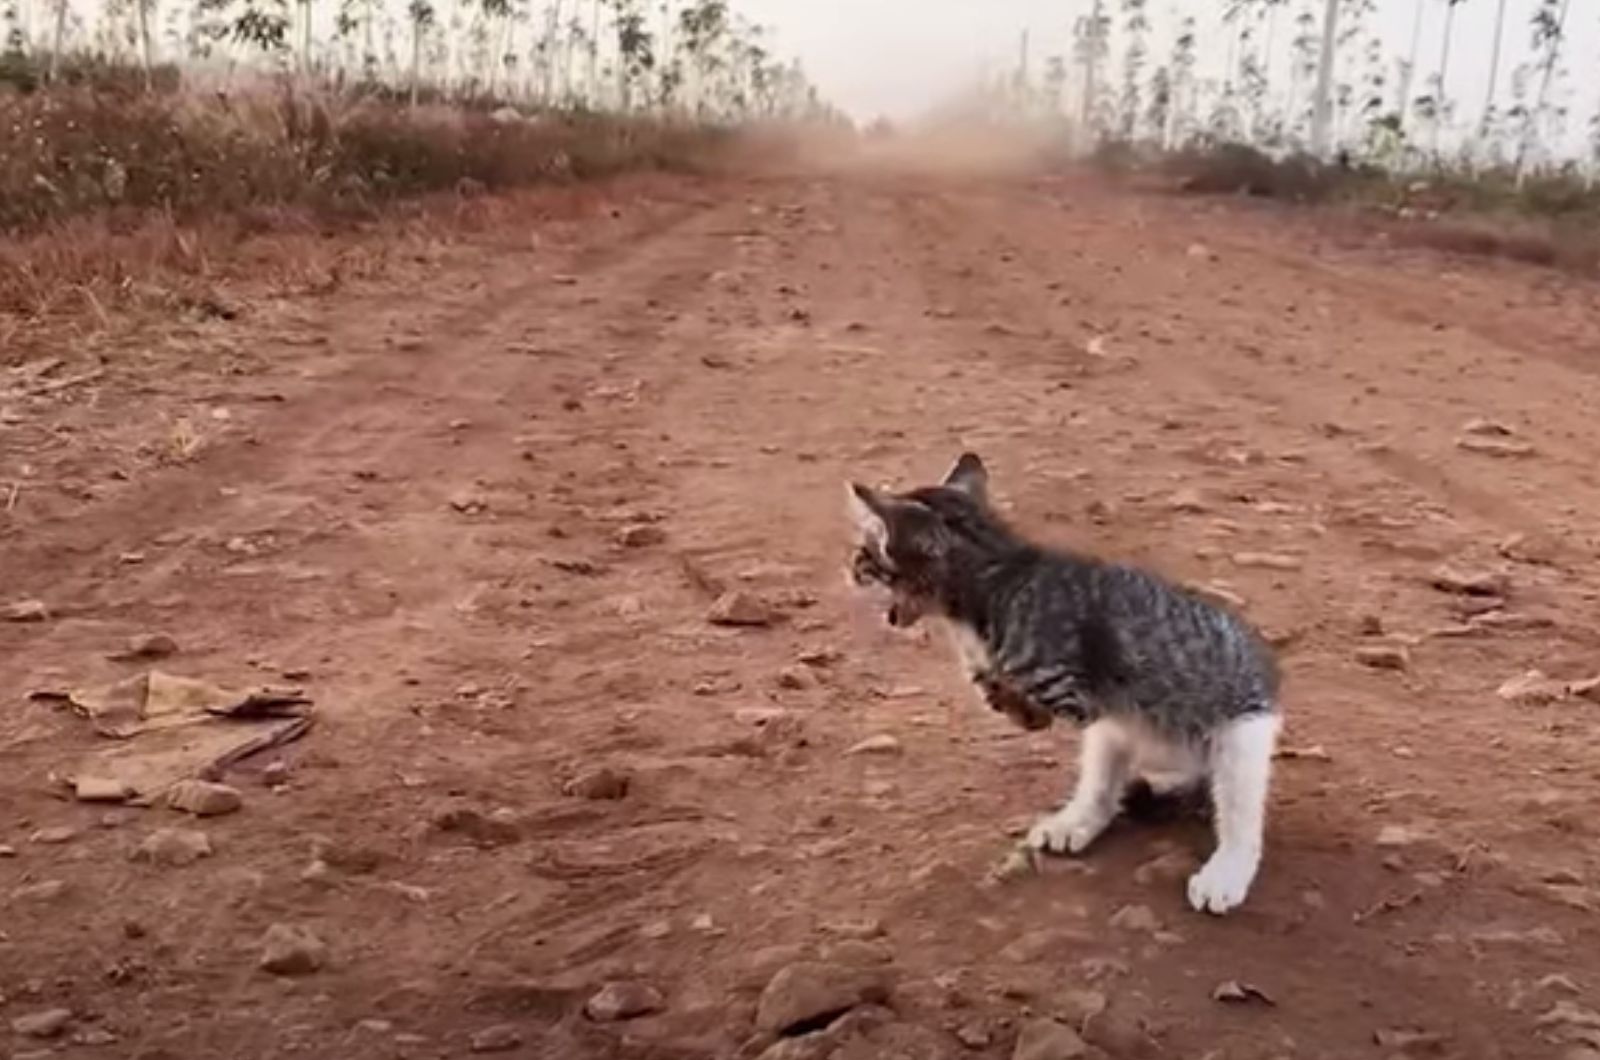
{"points": [[417, 498]]}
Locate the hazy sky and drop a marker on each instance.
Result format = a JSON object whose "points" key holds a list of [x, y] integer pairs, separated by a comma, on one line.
{"points": [[897, 57]]}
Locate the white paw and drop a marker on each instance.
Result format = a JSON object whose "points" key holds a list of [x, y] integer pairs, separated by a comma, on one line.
{"points": [[1222, 883], [1067, 831]]}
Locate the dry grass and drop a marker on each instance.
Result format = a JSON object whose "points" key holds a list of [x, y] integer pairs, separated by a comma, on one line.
{"points": [[1551, 219], [114, 193]]}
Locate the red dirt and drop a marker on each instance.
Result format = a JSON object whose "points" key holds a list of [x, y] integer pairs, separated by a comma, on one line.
{"points": [[720, 357]]}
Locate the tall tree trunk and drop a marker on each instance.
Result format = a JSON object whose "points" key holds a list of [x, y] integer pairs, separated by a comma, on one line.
{"points": [[1410, 73], [146, 43], [416, 59], [60, 39], [1494, 70], [1550, 59], [1439, 109], [1322, 103], [594, 54]]}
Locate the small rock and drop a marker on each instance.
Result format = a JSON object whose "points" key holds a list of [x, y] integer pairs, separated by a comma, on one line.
{"points": [[881, 744], [486, 830], [1469, 583], [1188, 501], [1313, 753], [641, 535], [1533, 689], [25, 611], [808, 995], [975, 1035], [501, 1038], [100, 789], [1199, 251], [1487, 428], [1045, 1039], [1370, 625], [740, 608], [1497, 447], [1384, 657], [656, 930], [860, 930], [7, 851], [1233, 992], [146, 647], [43, 891], [174, 847], [1135, 918], [1411, 1042], [375, 1026], [796, 678], [47, 1024], [1267, 561], [94, 1037], [276, 774], [599, 784], [623, 1001], [1396, 837], [287, 950], [203, 798], [55, 835], [468, 503]]}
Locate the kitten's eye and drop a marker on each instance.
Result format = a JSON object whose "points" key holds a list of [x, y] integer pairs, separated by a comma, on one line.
{"points": [[867, 568]]}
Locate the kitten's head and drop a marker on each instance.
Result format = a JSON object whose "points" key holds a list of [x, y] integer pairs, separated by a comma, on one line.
{"points": [[909, 543]]}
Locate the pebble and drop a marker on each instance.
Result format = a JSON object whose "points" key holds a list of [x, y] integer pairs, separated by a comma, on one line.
{"points": [[54, 836], [1396, 836], [599, 784], [1449, 579], [47, 1024], [809, 992], [1383, 657], [44, 891], [174, 847], [623, 1001], [25, 611], [204, 798], [1497, 447], [881, 744], [1266, 561], [501, 1038], [100, 789], [1135, 918], [1533, 689], [146, 647], [8, 851], [1411, 1042], [1044, 1039], [287, 950], [740, 608], [641, 535], [796, 678]]}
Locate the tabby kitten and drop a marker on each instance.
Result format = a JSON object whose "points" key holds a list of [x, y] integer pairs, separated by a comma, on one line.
{"points": [[1173, 691]]}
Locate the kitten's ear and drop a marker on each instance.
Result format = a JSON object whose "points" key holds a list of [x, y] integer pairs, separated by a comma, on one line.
{"points": [[868, 510], [970, 477]]}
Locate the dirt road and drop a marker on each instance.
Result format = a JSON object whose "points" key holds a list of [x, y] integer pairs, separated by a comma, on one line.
{"points": [[422, 501]]}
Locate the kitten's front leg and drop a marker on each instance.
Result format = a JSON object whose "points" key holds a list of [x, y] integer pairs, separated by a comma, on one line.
{"points": [[1102, 773], [1241, 768]]}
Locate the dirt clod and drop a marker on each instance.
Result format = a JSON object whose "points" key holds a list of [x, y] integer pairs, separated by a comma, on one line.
{"points": [[740, 608], [51, 1023], [600, 784], [173, 847], [809, 995], [500, 1038], [291, 951], [623, 1001], [1045, 1039], [204, 798]]}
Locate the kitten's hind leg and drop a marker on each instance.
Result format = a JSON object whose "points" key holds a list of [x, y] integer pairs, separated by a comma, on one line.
{"points": [[1102, 772], [1241, 769]]}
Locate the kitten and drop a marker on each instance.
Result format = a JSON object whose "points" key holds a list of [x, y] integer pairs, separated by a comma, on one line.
{"points": [[1173, 691]]}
